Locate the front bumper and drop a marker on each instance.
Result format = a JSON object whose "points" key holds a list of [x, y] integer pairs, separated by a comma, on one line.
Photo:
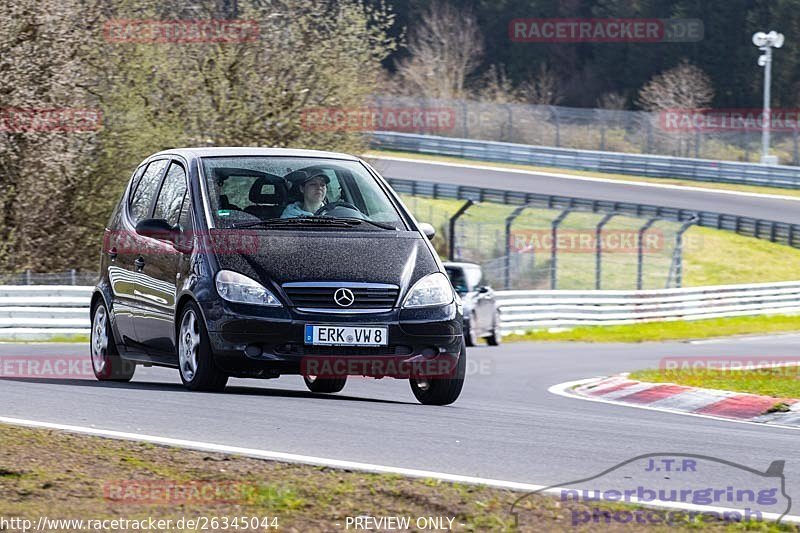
{"points": [[254, 341]]}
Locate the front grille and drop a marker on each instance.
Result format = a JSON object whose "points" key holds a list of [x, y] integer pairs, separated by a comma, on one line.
{"points": [[303, 349], [367, 296]]}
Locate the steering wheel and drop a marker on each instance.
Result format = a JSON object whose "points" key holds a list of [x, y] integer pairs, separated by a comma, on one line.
{"points": [[333, 205]]}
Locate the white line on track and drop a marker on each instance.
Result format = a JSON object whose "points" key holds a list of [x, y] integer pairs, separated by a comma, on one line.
{"points": [[563, 389], [348, 465], [586, 178]]}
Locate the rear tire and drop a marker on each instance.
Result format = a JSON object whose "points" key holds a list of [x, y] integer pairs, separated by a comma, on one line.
{"points": [[107, 364], [197, 369], [442, 390], [317, 384], [496, 337]]}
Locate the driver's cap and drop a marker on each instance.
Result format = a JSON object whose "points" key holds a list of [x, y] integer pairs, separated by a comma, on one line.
{"points": [[320, 175]]}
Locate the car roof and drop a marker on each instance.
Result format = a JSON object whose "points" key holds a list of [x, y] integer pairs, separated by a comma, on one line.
{"points": [[241, 151]]}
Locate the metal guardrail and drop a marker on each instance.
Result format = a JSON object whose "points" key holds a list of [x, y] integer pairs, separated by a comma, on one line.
{"points": [[523, 310], [773, 231], [37, 312], [40, 312], [655, 166]]}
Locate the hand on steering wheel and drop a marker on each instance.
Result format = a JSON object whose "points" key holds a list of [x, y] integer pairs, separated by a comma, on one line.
{"points": [[332, 205]]}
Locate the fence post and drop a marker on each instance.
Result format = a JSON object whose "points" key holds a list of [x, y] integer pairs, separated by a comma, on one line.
{"points": [[452, 227], [677, 255], [27, 276], [598, 235], [507, 260], [72, 277], [554, 248], [640, 256]]}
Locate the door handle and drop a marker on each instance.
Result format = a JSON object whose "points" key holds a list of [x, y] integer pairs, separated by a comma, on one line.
{"points": [[112, 254], [139, 263]]}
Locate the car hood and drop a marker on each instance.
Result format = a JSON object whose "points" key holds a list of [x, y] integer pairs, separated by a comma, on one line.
{"points": [[376, 257]]}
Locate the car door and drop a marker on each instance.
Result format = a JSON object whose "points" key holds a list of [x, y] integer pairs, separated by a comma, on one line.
{"points": [[483, 300], [156, 286], [123, 247]]}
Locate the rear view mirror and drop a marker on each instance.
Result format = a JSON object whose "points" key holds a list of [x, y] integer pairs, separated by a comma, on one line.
{"points": [[427, 229]]}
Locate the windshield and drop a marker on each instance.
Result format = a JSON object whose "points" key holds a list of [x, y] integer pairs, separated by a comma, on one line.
{"points": [[249, 191]]}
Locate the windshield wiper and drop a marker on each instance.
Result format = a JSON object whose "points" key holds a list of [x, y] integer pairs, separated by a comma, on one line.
{"points": [[368, 221], [311, 221]]}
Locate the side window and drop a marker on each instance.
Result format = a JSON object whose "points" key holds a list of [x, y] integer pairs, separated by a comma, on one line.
{"points": [[237, 190], [137, 176], [185, 218], [146, 190], [171, 196]]}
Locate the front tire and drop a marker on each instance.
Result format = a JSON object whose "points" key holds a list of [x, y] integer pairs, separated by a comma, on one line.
{"points": [[317, 384], [470, 337], [107, 364], [198, 372], [440, 390]]}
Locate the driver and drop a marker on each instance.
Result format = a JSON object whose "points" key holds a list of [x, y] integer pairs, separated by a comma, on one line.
{"points": [[314, 189]]}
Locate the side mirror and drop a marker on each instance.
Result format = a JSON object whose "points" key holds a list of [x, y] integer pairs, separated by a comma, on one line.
{"points": [[483, 289], [427, 229], [156, 228]]}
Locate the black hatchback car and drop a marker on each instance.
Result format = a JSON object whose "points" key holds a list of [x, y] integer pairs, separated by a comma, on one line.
{"points": [[255, 263]]}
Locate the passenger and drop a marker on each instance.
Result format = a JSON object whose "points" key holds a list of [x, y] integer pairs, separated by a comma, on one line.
{"points": [[314, 189]]}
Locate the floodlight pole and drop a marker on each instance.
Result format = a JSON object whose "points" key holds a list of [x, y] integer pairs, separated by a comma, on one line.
{"points": [[766, 42], [766, 120]]}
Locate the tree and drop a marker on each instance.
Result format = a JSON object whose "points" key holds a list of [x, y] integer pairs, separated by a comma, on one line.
{"points": [[57, 189], [542, 89], [445, 48], [682, 87]]}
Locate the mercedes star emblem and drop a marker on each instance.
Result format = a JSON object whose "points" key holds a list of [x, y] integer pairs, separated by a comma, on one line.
{"points": [[344, 297]]}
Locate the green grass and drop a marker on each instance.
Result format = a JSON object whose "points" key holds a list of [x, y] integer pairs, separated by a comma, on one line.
{"points": [[665, 331], [783, 382], [590, 174], [63, 475]]}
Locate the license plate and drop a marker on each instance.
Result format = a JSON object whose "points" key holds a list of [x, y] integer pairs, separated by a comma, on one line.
{"points": [[346, 335]]}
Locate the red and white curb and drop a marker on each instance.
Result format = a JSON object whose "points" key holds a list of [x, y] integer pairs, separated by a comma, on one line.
{"points": [[696, 401]]}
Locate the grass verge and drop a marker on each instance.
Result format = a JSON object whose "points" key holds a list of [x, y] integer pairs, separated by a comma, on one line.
{"points": [[55, 338], [61, 475], [710, 257], [779, 382], [666, 331], [591, 174]]}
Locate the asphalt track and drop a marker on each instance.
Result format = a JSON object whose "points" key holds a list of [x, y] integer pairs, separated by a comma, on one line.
{"points": [[756, 206], [505, 426]]}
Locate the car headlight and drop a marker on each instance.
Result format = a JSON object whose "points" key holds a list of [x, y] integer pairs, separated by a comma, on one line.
{"points": [[432, 290], [238, 288]]}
